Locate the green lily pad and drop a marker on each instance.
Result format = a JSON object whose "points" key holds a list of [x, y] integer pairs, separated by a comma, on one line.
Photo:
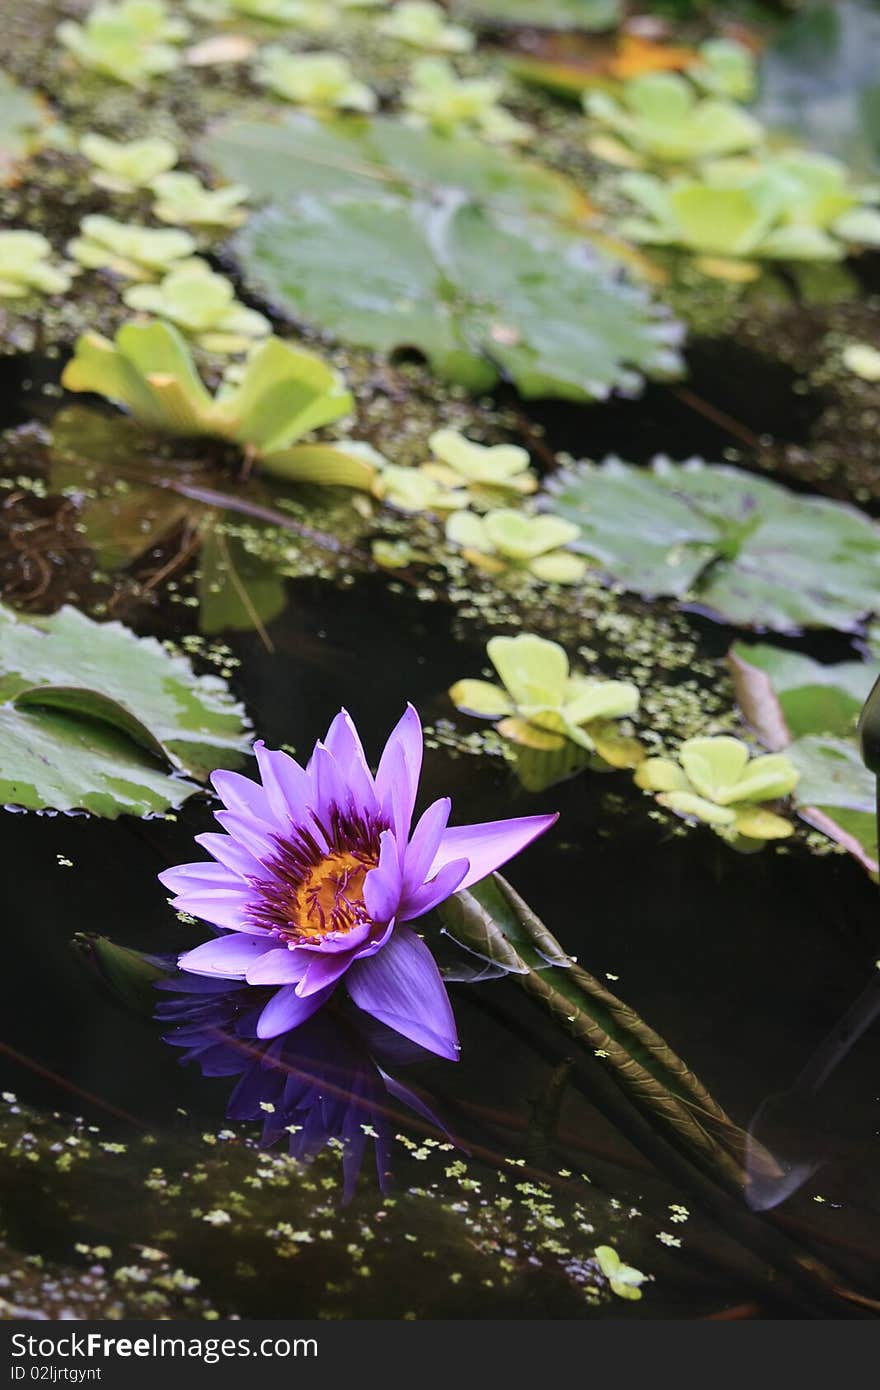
{"points": [[95, 718], [810, 710], [479, 297], [748, 551], [298, 155], [808, 696], [586, 15], [489, 275]]}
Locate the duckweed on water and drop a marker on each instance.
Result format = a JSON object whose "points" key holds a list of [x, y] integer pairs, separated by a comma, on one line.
{"points": [[206, 1227]]}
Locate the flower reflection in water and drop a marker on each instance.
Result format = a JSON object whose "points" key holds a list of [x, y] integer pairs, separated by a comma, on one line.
{"points": [[323, 1082]]}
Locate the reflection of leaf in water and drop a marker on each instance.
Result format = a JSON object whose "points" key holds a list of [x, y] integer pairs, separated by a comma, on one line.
{"points": [[137, 507], [237, 589], [492, 921]]}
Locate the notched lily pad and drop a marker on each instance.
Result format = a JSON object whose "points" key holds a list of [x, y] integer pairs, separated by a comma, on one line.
{"points": [[748, 551], [94, 718], [490, 275]]}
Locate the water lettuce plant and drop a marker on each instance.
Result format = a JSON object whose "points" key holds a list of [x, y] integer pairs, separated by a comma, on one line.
{"points": [[624, 1280], [318, 874], [509, 539], [718, 781], [662, 117], [184, 201], [27, 267], [130, 42], [459, 474], [135, 253], [491, 473], [538, 695], [203, 305], [282, 395], [321, 81], [438, 98], [151, 20], [423, 24], [862, 360], [122, 166], [414, 490], [794, 206], [725, 68]]}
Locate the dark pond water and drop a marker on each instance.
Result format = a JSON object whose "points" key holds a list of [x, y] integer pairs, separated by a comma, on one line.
{"points": [[744, 964]]}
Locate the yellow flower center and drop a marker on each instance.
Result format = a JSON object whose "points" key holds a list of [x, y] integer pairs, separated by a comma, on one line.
{"points": [[330, 898]]}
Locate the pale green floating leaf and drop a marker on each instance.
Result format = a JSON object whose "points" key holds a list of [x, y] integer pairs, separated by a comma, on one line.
{"points": [[545, 710], [124, 166], [507, 538], [203, 305], [717, 780], [183, 201], [623, 1279], [282, 395], [661, 116], [796, 205], [321, 81], [27, 267], [136, 253], [437, 97], [423, 24], [726, 68]]}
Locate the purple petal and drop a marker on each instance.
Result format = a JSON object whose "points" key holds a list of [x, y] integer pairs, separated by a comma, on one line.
{"points": [[202, 877], [223, 908], [343, 742], [227, 851], [435, 891], [419, 853], [324, 969], [256, 835], [277, 966], [229, 956], [382, 885], [397, 778], [285, 1010], [241, 794], [288, 786], [401, 986], [489, 845], [331, 788]]}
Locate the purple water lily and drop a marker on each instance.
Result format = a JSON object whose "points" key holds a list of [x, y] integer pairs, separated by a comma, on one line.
{"points": [[318, 873]]}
